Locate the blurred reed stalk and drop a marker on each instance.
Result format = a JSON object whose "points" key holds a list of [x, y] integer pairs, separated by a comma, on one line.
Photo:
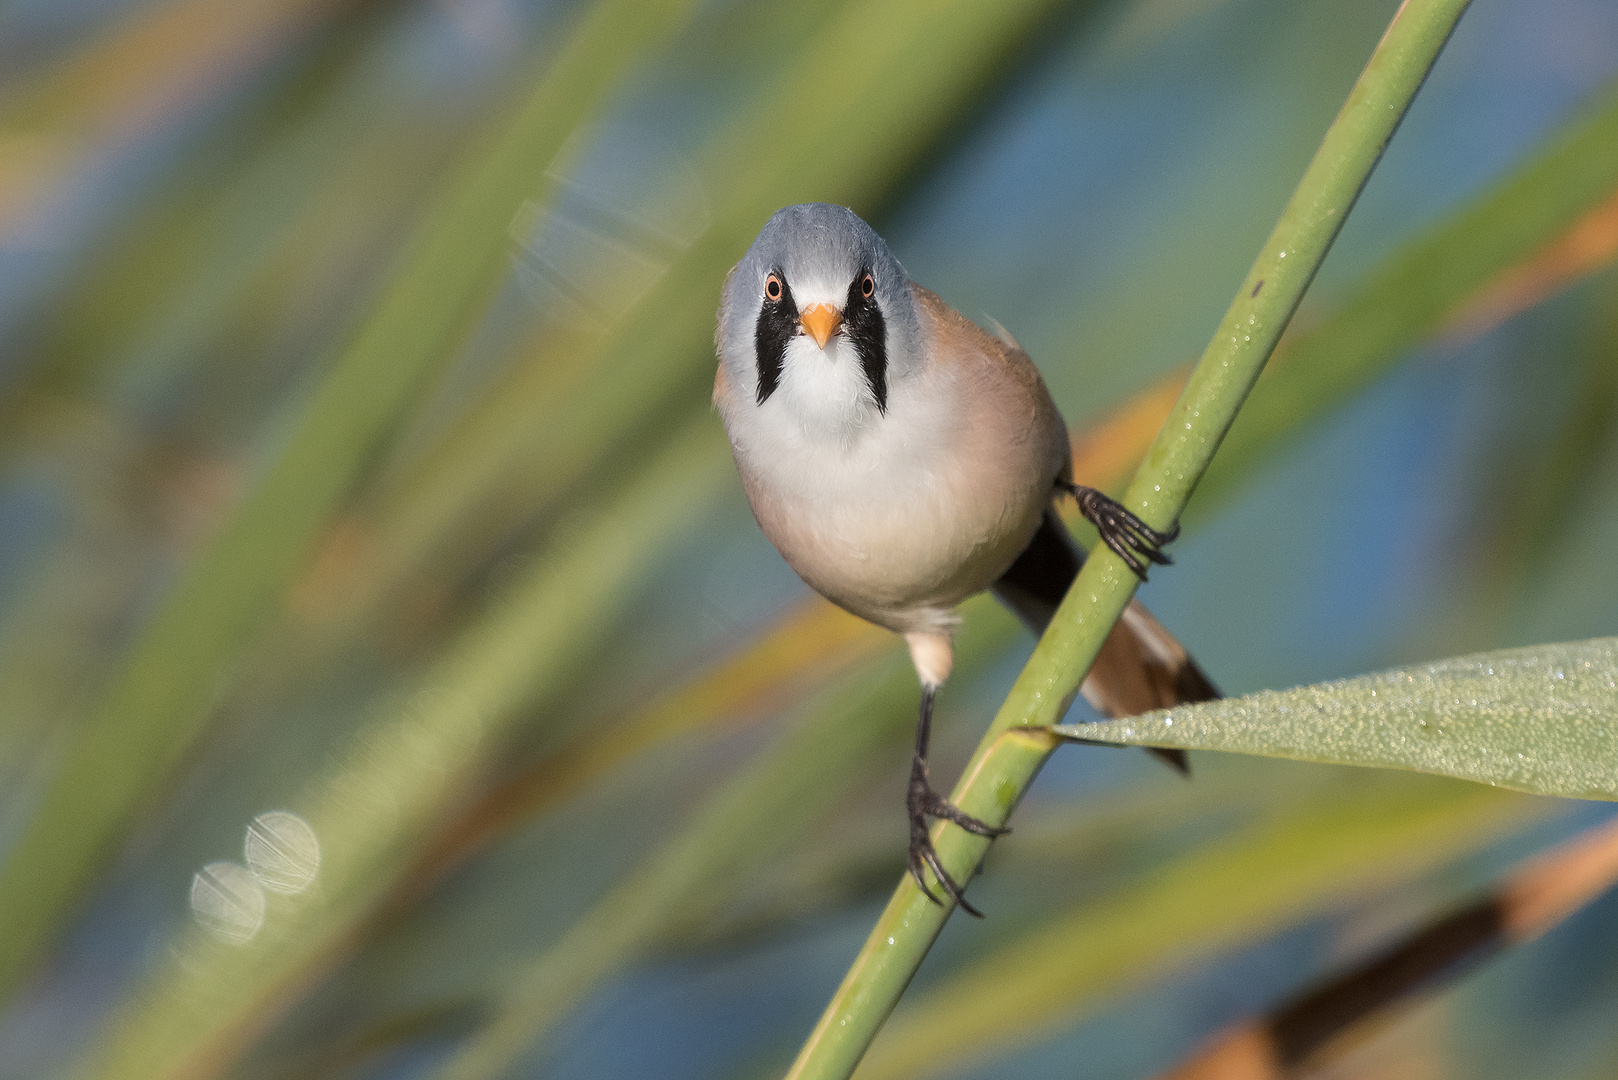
{"points": [[1305, 1035], [166, 1025], [1288, 865], [155, 708], [393, 782], [576, 400]]}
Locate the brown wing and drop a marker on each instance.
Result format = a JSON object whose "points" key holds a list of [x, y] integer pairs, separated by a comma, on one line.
{"points": [[1001, 346], [996, 368]]}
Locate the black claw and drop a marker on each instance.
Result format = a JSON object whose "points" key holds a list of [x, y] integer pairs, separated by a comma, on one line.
{"points": [[947, 883], [1130, 538], [918, 870], [923, 802], [1124, 553]]}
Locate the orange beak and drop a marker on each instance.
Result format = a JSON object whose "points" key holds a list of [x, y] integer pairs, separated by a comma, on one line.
{"points": [[821, 322]]}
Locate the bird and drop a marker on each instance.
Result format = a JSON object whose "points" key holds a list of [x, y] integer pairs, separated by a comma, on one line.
{"points": [[902, 459]]}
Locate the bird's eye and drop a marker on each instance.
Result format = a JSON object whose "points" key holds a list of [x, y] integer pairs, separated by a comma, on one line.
{"points": [[867, 287], [772, 288]]}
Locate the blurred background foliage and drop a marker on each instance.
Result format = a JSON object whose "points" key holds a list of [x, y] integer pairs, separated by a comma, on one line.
{"points": [[356, 463]]}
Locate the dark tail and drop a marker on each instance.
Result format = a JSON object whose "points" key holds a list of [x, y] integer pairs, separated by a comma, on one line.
{"points": [[1141, 665]]}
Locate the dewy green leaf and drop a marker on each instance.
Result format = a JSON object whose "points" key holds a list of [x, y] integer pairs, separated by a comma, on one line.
{"points": [[1541, 719]]}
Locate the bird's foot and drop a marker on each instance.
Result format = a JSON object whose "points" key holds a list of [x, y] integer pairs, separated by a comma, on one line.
{"points": [[1127, 535], [923, 803]]}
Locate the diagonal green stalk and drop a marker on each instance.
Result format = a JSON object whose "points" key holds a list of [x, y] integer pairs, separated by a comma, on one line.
{"points": [[1010, 755], [157, 705]]}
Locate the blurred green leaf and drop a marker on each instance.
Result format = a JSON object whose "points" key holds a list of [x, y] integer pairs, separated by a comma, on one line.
{"points": [[392, 785], [1306, 1034], [158, 60], [1542, 719], [1542, 476], [1299, 863], [1416, 292], [1573, 463], [158, 1038], [186, 258], [420, 753], [753, 817], [871, 92], [848, 855], [159, 702]]}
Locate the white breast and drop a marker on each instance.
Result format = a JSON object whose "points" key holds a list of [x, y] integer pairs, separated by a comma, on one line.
{"points": [[898, 516]]}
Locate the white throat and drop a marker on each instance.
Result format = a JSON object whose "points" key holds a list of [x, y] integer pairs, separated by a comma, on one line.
{"points": [[820, 442], [824, 393]]}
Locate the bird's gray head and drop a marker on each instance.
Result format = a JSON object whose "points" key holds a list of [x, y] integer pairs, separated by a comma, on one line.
{"points": [[818, 318]]}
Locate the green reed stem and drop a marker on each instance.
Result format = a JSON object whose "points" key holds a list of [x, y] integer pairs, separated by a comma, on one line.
{"points": [[1010, 755]]}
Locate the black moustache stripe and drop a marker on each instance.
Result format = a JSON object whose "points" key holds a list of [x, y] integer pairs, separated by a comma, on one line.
{"points": [[777, 323], [863, 323]]}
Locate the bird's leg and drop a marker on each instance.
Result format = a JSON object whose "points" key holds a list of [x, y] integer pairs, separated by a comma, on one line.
{"points": [[1128, 536], [923, 802]]}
